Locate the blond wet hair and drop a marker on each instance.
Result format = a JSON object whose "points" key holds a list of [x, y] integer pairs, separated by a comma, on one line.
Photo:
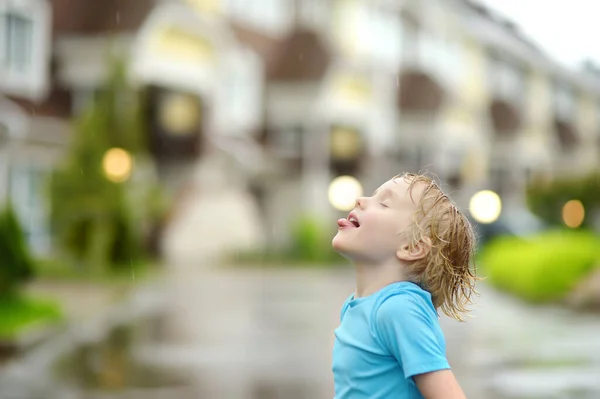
{"points": [[448, 271]]}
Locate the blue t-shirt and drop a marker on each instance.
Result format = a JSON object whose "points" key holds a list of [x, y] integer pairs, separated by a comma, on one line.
{"points": [[384, 340]]}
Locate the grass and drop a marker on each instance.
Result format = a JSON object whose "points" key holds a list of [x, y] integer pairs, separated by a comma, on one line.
{"points": [[309, 247], [19, 313], [543, 268], [272, 259], [51, 269]]}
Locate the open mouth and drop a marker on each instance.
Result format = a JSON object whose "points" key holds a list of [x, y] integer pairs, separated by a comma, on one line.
{"points": [[352, 219], [351, 222]]}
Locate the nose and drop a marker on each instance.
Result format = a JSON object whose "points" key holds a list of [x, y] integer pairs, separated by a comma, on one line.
{"points": [[360, 202]]}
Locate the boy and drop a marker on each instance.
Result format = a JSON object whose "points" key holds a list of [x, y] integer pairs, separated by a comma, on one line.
{"points": [[412, 249]]}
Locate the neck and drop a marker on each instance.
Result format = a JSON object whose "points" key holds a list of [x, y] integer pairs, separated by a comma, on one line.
{"points": [[371, 278]]}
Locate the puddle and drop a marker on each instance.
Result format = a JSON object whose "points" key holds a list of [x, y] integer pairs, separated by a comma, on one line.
{"points": [[109, 365], [112, 368], [106, 368]]}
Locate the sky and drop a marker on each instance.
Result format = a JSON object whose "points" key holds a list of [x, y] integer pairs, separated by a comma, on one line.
{"points": [[567, 30]]}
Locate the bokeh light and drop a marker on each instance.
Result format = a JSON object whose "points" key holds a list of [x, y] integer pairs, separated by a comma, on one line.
{"points": [[485, 206], [345, 143], [573, 214], [117, 165], [343, 192], [180, 114]]}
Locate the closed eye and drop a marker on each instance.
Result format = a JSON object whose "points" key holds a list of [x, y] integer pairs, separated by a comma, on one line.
{"points": [[384, 205]]}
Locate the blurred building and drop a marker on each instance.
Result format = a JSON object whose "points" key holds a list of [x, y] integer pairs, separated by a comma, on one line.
{"points": [[274, 98]]}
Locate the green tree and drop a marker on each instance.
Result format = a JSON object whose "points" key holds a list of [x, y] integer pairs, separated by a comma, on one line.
{"points": [[92, 218], [16, 265], [546, 199]]}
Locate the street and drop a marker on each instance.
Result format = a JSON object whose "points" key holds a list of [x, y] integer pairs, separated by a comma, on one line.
{"points": [[259, 334]]}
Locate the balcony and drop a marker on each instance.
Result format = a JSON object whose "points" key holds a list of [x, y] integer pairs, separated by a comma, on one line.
{"points": [[508, 86]]}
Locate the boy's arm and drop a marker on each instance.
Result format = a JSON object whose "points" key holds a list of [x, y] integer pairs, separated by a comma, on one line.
{"points": [[408, 333], [439, 385]]}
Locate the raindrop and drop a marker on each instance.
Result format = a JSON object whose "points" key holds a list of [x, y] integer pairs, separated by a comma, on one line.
{"points": [[132, 270], [81, 170], [301, 56], [118, 17], [397, 81]]}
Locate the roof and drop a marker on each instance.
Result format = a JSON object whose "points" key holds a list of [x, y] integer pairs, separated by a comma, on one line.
{"points": [[87, 17], [298, 56], [503, 34]]}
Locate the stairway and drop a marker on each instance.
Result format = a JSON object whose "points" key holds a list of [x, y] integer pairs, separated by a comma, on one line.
{"points": [[217, 216]]}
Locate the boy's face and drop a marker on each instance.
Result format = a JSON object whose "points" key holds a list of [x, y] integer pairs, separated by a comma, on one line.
{"points": [[372, 232]]}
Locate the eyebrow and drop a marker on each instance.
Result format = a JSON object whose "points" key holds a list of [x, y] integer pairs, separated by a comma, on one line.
{"points": [[388, 191]]}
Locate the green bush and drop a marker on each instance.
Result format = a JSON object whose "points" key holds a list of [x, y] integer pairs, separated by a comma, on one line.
{"points": [[547, 199], [49, 269], [311, 241], [310, 245], [16, 263], [542, 268], [18, 313]]}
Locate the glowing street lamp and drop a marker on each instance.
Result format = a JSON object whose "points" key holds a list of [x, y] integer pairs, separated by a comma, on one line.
{"points": [[573, 214], [343, 192], [485, 206], [117, 165]]}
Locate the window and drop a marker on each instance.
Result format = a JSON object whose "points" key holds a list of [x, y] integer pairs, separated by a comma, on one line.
{"points": [[207, 6], [380, 34], [455, 181], [271, 16], [598, 124], [241, 97], [452, 63], [412, 156], [344, 26], [529, 175], [288, 141], [564, 100], [25, 31], [16, 43], [26, 192], [4, 133], [437, 53], [419, 158], [411, 33], [314, 13], [366, 30], [82, 98], [501, 180], [243, 90], [507, 79]]}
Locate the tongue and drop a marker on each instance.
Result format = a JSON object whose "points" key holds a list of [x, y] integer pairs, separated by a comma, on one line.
{"points": [[344, 223]]}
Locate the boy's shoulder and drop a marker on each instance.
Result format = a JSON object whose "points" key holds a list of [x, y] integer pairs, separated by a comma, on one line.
{"points": [[403, 307], [395, 298], [403, 294], [400, 301], [346, 305]]}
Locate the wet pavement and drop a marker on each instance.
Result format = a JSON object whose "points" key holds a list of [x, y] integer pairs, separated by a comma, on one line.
{"points": [[516, 351], [262, 334]]}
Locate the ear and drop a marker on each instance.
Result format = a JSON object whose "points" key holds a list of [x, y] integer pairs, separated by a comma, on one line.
{"points": [[418, 251]]}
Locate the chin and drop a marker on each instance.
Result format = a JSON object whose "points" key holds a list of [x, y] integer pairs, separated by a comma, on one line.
{"points": [[341, 247], [337, 242]]}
